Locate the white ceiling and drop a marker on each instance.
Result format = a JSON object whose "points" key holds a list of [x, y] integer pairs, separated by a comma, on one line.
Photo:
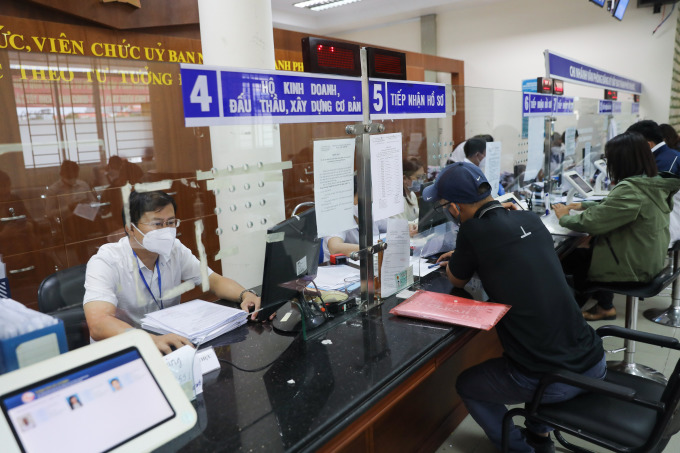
{"points": [[363, 14]]}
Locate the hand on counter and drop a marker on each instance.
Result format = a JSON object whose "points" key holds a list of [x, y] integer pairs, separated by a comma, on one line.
{"points": [[251, 305], [169, 342], [561, 209], [443, 260]]}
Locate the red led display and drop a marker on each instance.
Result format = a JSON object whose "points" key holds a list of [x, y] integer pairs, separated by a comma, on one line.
{"points": [[611, 94], [387, 64], [544, 85], [335, 57], [558, 87], [330, 57]]}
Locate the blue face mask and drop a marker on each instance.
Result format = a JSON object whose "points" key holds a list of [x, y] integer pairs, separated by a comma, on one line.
{"points": [[416, 185]]}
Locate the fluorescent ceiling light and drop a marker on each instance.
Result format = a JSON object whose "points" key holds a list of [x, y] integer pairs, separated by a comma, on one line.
{"points": [[320, 5]]}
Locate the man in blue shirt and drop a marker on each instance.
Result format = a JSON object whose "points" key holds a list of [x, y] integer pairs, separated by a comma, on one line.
{"points": [[667, 159]]}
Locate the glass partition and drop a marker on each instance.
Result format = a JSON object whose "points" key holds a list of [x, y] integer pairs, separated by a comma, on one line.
{"points": [[77, 129]]}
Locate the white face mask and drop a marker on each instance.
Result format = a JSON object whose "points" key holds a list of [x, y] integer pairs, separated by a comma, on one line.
{"points": [[482, 163], [355, 210], [158, 241]]}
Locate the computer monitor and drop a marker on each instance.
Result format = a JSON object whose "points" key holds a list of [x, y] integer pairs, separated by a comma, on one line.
{"points": [[291, 261], [428, 217], [114, 395]]}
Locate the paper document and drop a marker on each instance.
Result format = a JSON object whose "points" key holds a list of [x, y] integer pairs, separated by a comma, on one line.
{"points": [[197, 320], [552, 223], [394, 274], [570, 141], [335, 277], [536, 146], [387, 176], [334, 185], [86, 211], [451, 310], [492, 165], [186, 370]]}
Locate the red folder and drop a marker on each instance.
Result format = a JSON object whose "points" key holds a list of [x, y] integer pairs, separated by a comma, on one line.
{"points": [[451, 310]]}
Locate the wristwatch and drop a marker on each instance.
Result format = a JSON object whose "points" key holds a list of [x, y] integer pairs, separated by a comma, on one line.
{"points": [[240, 296]]}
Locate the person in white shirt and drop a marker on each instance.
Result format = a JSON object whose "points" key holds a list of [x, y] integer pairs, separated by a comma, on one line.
{"points": [[127, 279], [414, 173]]}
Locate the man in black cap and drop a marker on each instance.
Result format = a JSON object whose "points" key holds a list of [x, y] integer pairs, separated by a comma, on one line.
{"points": [[513, 254]]}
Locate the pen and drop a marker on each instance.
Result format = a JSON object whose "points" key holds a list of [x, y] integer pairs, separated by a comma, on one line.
{"points": [[432, 265]]}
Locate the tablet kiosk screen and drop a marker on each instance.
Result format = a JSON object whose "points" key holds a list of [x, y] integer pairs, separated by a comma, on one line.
{"points": [[581, 183], [95, 407]]}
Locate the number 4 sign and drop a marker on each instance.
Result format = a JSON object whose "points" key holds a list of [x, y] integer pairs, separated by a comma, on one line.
{"points": [[202, 104]]}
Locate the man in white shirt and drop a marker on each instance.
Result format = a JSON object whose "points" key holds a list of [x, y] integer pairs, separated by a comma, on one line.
{"points": [[127, 279]]}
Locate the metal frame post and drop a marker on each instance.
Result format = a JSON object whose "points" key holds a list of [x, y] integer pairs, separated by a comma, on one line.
{"points": [[363, 132]]}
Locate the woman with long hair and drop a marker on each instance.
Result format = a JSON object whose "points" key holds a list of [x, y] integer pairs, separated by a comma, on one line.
{"points": [[414, 174], [629, 228]]}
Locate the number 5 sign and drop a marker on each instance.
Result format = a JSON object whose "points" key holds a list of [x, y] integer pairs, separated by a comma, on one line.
{"points": [[392, 99]]}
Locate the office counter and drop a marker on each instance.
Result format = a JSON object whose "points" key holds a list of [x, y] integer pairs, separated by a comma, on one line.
{"points": [[372, 382]]}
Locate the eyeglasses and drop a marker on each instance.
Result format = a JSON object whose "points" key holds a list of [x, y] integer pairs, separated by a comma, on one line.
{"points": [[174, 223], [440, 206]]}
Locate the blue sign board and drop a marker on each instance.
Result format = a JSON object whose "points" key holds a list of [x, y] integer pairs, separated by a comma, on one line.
{"points": [[530, 85], [537, 104], [215, 96], [563, 105], [635, 108], [564, 68], [392, 99], [616, 107], [605, 107]]}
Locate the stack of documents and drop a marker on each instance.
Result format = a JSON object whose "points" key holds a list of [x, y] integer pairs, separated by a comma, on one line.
{"points": [[339, 276], [198, 320], [16, 319]]}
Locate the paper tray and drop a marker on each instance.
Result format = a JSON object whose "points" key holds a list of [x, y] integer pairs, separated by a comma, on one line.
{"points": [[449, 309]]}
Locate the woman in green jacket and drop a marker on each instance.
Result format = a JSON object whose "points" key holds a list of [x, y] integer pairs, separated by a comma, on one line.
{"points": [[629, 227]]}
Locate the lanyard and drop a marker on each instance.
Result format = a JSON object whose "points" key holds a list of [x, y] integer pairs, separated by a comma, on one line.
{"points": [[158, 269]]}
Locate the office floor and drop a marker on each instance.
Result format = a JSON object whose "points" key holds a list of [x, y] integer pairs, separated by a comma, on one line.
{"points": [[469, 437]]}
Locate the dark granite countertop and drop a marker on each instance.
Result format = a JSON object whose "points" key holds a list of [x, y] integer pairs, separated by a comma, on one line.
{"points": [[296, 394]]}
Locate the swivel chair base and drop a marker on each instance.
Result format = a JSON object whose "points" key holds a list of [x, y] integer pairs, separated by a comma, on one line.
{"points": [[665, 316], [637, 370]]}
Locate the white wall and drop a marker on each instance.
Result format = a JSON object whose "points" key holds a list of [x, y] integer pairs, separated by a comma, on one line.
{"points": [[402, 35], [503, 43]]}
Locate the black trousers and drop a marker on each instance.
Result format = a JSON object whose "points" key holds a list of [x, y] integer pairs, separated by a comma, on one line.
{"points": [[576, 266]]}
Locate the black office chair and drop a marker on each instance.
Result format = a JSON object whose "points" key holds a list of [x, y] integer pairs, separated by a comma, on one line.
{"points": [[669, 316], [61, 295], [623, 413], [634, 293]]}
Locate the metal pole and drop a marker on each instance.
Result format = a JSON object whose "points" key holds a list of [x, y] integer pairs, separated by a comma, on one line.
{"points": [[546, 147], [364, 189]]}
